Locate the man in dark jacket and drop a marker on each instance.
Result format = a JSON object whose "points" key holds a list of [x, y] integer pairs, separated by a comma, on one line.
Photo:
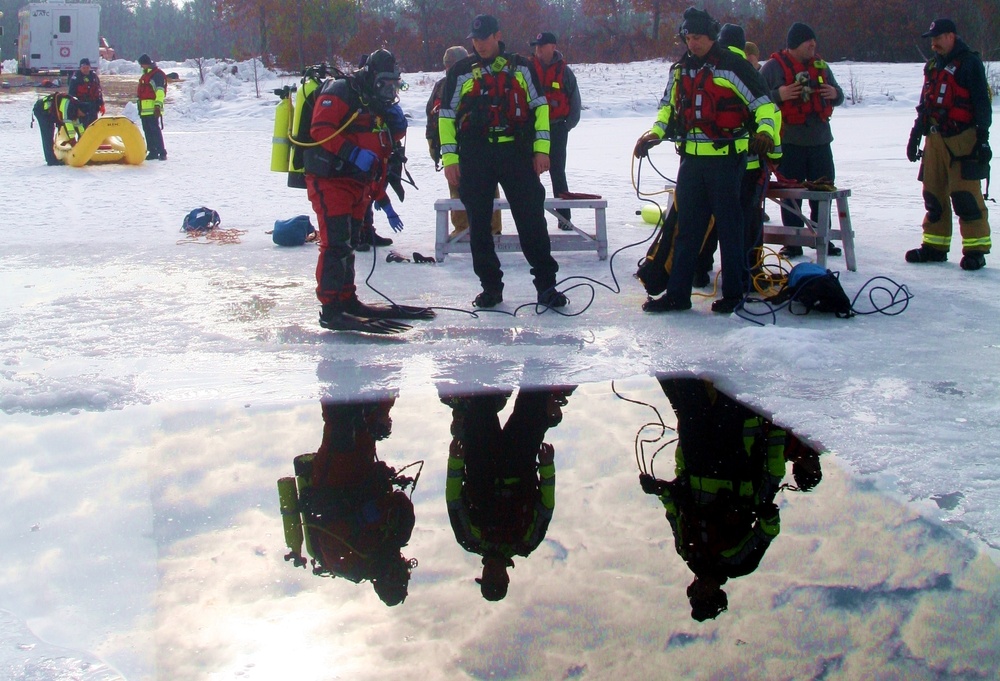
{"points": [[86, 87], [802, 84], [494, 129], [459, 218], [52, 112], [559, 83], [954, 115], [713, 142]]}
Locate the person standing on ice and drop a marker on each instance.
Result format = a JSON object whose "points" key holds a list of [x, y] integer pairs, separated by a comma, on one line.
{"points": [[459, 219], [355, 122], [802, 84], [151, 92], [494, 125], [715, 109], [86, 87], [559, 83], [954, 115]]}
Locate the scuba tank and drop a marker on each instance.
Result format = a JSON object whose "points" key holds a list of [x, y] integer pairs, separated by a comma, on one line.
{"points": [[280, 145], [313, 78]]}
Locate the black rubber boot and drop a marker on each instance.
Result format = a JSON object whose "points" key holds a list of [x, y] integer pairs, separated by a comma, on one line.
{"points": [[926, 254], [973, 261]]}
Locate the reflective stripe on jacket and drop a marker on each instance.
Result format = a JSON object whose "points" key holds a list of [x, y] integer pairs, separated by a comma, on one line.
{"points": [[727, 84]]}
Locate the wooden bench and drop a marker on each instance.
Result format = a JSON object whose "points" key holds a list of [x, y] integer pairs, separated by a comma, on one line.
{"points": [[574, 239], [814, 234]]}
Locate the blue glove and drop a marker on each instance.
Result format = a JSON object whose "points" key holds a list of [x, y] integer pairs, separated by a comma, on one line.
{"points": [[363, 159], [394, 220], [395, 119]]}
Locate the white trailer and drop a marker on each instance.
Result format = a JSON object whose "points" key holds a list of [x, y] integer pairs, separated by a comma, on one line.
{"points": [[55, 36]]}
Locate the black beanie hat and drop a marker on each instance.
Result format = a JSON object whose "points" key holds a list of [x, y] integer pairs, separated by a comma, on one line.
{"points": [[144, 59], [699, 22], [798, 34], [732, 35]]}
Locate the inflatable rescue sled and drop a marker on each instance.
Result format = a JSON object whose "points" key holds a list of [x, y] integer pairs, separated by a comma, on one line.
{"points": [[109, 139]]}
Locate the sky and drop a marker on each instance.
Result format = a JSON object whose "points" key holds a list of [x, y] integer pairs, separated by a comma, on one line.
{"points": [[122, 344]]}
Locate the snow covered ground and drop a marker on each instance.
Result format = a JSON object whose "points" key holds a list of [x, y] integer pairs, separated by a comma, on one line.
{"points": [[109, 317]]}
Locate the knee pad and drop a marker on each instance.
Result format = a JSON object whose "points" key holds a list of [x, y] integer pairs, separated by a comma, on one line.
{"points": [[338, 228], [934, 208], [966, 206]]}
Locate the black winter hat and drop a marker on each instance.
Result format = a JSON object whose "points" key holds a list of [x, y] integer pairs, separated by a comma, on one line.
{"points": [[699, 22], [144, 59], [732, 35], [798, 34]]}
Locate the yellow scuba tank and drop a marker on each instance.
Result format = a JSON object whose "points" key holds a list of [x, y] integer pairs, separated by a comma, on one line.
{"points": [[280, 144], [312, 79], [291, 519]]}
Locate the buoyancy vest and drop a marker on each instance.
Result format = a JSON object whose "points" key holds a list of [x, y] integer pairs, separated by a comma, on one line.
{"points": [[796, 111], [943, 102], [496, 106], [86, 88], [714, 109], [367, 130], [554, 86], [146, 90]]}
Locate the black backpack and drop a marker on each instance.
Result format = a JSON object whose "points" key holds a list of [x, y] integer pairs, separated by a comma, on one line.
{"points": [[200, 220], [654, 268], [814, 288]]}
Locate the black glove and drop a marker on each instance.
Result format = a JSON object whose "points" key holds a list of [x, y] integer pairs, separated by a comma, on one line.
{"points": [[644, 144], [982, 152], [913, 146], [651, 485], [761, 144]]}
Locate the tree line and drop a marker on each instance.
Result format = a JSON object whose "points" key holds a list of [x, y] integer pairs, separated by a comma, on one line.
{"points": [[289, 34]]}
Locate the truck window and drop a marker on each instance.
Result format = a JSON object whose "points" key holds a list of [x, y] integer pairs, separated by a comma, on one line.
{"points": [[64, 24]]}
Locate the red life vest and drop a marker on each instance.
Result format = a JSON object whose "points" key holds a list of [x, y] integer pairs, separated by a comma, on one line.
{"points": [[796, 111], [551, 77], [146, 89], [714, 109], [943, 102], [86, 88], [495, 106]]}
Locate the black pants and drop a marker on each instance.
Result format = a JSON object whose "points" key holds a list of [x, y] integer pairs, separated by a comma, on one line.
{"points": [[90, 111], [510, 165], [558, 139], [47, 129], [805, 163], [751, 195], [707, 186], [154, 136]]}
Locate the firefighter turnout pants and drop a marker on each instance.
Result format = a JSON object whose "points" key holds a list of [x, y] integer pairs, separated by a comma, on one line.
{"points": [[509, 164], [941, 174]]}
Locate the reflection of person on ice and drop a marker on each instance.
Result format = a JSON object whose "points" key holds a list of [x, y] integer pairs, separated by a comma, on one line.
{"points": [[356, 517], [720, 506], [501, 480]]}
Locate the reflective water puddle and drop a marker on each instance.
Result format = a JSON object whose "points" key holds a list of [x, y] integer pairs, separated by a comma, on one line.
{"points": [[648, 528]]}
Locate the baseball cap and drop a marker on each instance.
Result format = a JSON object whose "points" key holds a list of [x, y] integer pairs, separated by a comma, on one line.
{"points": [[544, 38], [483, 26], [84, 61], [939, 26]]}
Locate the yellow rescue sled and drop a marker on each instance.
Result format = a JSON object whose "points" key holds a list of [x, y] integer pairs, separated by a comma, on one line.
{"points": [[109, 139]]}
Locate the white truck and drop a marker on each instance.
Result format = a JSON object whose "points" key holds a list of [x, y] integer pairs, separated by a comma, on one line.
{"points": [[55, 36]]}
